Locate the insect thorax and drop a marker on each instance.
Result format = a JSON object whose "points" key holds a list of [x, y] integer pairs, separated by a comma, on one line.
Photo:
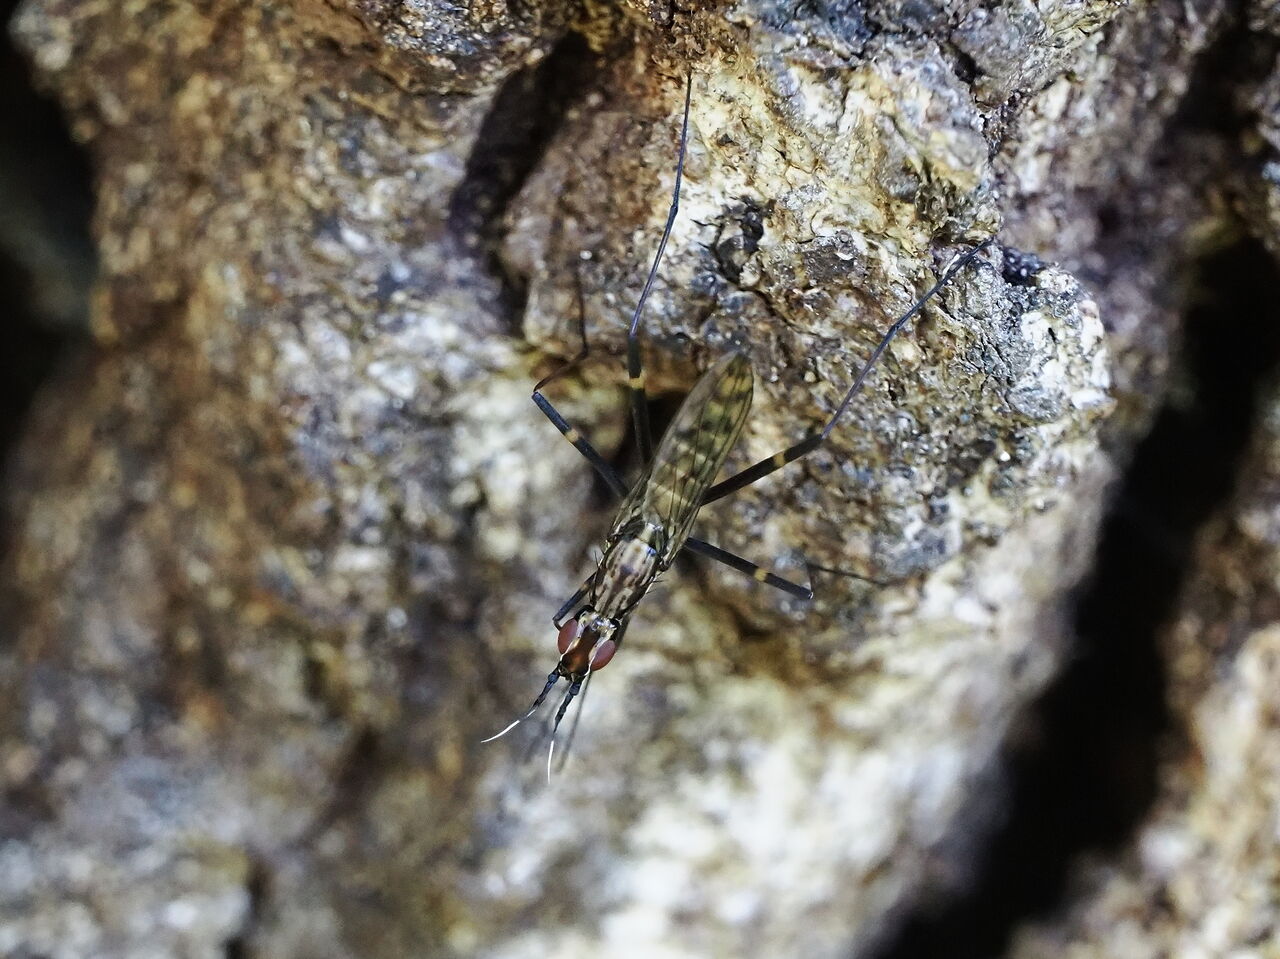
{"points": [[628, 568]]}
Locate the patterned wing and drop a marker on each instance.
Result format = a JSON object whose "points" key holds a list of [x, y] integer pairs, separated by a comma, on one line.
{"points": [[691, 453]]}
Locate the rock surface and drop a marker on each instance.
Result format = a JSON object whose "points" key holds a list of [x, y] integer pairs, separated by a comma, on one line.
{"points": [[1200, 877], [286, 543]]}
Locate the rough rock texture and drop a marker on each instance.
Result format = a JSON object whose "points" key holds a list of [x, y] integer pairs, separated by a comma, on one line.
{"points": [[286, 542], [1201, 876]]}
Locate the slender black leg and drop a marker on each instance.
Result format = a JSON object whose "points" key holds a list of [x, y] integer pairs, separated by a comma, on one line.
{"points": [[758, 573], [812, 442], [635, 370], [607, 472], [848, 574], [580, 443]]}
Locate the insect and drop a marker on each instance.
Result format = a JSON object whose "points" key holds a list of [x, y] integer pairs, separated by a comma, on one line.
{"points": [[657, 513]]}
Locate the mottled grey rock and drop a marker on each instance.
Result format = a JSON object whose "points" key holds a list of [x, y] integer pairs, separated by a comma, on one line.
{"points": [[287, 541], [1199, 878]]}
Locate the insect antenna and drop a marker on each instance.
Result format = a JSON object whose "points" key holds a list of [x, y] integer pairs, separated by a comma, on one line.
{"points": [[551, 681]]}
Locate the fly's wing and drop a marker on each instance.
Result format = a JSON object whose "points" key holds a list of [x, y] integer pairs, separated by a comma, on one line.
{"points": [[691, 453]]}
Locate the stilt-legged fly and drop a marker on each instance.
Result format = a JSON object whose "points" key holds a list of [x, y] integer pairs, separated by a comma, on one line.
{"points": [[653, 523]]}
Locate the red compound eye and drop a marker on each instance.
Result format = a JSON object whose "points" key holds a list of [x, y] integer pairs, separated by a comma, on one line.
{"points": [[604, 653], [568, 633]]}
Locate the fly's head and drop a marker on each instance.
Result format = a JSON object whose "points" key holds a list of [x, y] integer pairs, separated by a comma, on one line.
{"points": [[586, 643], [589, 639]]}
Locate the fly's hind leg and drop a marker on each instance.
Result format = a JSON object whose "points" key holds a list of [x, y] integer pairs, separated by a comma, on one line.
{"points": [[846, 573], [635, 367], [756, 572], [806, 446], [583, 350]]}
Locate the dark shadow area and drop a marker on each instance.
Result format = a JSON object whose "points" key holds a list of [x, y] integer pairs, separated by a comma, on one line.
{"points": [[46, 256], [1082, 772], [525, 115], [662, 410]]}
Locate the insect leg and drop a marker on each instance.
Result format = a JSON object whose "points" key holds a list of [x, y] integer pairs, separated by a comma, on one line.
{"points": [[635, 370], [580, 442], [758, 573], [847, 573], [813, 441], [582, 335]]}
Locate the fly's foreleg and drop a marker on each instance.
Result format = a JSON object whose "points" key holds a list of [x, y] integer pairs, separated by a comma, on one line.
{"points": [[580, 442], [635, 368], [810, 443]]}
